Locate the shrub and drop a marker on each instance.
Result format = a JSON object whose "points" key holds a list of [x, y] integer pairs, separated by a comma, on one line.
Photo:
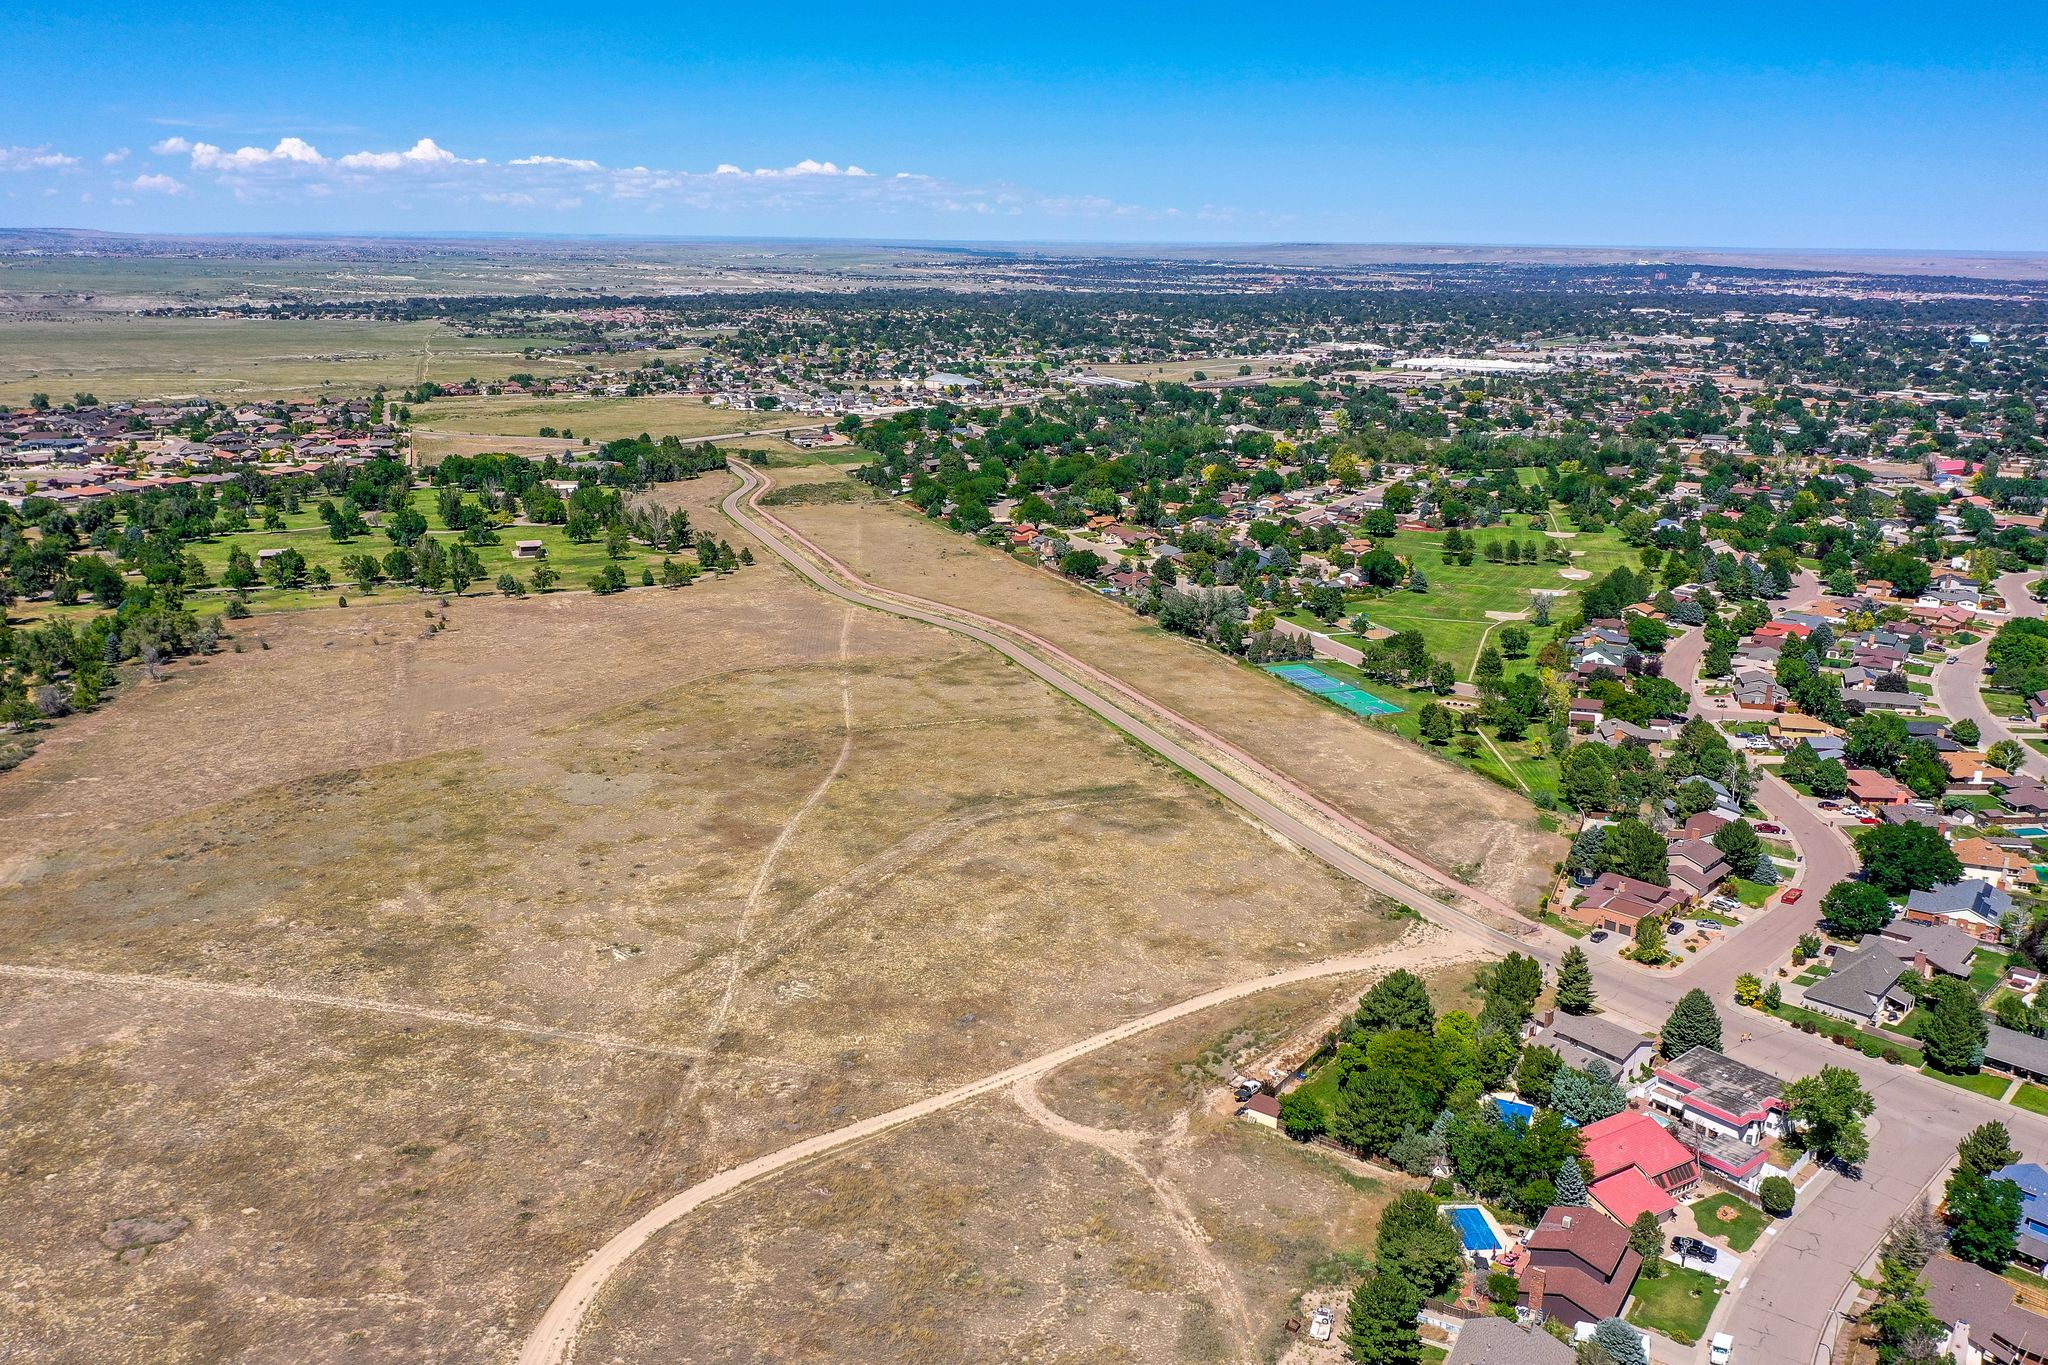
{"points": [[1777, 1195]]}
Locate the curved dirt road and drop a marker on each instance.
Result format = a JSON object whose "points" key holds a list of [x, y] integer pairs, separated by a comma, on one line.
{"points": [[553, 1338]]}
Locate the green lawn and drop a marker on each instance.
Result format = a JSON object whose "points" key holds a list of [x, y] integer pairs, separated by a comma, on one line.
{"points": [[1741, 1231], [1982, 1083], [1807, 978], [1677, 1304], [1987, 969], [1525, 757], [1870, 1044], [2032, 1098], [1751, 894], [2006, 705]]}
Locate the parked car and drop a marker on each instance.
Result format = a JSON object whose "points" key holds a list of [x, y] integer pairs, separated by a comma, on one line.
{"points": [[1830, 805], [1692, 1248], [1792, 895], [1770, 829], [1598, 936], [1244, 1088], [1676, 926], [1868, 820], [1721, 1350], [1952, 658], [1322, 1324]]}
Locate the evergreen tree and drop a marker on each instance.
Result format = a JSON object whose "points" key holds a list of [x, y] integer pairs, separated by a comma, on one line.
{"points": [[1693, 1023], [1901, 1323], [1419, 1243], [1586, 1096], [1398, 1000], [1571, 1184], [1575, 982], [1380, 1328], [1955, 1031], [1986, 1149], [1621, 1341]]}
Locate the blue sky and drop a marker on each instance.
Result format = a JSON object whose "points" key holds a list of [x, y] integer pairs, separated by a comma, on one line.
{"points": [[1869, 125]]}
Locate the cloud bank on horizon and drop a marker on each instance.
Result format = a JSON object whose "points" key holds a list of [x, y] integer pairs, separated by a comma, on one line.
{"points": [[293, 176]]}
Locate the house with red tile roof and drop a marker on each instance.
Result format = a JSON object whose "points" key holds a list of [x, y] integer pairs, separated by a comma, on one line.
{"points": [[1637, 1166], [1874, 788]]}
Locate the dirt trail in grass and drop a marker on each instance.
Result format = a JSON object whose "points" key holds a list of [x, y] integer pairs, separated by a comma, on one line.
{"points": [[1130, 1148], [159, 985]]}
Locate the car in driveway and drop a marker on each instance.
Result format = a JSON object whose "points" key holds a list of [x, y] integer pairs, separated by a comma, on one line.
{"points": [[1792, 895], [1830, 805], [1597, 936], [1868, 820], [1676, 926], [1692, 1248]]}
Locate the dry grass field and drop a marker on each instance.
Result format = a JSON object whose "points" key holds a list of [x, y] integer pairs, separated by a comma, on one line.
{"points": [[1485, 835], [601, 419], [1117, 1214], [384, 974], [116, 355]]}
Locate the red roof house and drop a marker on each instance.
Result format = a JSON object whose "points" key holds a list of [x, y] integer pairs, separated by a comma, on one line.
{"points": [[1580, 1266], [1638, 1165]]}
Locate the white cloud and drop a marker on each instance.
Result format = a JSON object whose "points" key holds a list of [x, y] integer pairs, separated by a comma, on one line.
{"points": [[543, 181], [115, 157], [567, 163], [425, 152], [34, 159], [157, 184]]}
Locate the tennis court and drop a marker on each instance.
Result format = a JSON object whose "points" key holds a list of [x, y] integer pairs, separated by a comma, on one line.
{"points": [[1353, 699]]}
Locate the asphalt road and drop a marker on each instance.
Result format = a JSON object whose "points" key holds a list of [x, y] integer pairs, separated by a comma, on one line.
{"points": [[1958, 686]]}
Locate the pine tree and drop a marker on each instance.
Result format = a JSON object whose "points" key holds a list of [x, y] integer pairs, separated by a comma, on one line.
{"points": [[1646, 1235], [1986, 1149], [1693, 1023], [1380, 1328], [1621, 1341], [1571, 1184], [1398, 1000], [1575, 982]]}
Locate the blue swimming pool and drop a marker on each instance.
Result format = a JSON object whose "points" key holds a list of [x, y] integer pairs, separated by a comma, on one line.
{"points": [[1515, 1113], [1473, 1229]]}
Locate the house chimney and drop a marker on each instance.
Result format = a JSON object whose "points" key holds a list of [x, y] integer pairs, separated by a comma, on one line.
{"points": [[1532, 1285], [1567, 1221]]}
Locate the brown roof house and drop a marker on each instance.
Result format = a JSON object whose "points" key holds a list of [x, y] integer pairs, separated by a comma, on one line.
{"points": [[1580, 1266], [1619, 903]]}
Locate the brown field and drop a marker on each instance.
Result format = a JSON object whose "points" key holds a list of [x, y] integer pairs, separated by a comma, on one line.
{"points": [[1120, 1214], [1482, 834], [1184, 369], [448, 955], [117, 355], [600, 419]]}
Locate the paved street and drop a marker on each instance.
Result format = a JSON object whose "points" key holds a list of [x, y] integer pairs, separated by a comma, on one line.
{"points": [[1958, 687]]}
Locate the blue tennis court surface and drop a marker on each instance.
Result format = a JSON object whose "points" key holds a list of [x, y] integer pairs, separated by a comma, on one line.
{"points": [[1473, 1229], [1312, 679]]}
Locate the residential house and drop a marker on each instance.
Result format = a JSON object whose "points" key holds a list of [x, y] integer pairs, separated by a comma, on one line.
{"points": [[1261, 1109], [1697, 866], [1496, 1341], [2022, 795], [1638, 1167], [1617, 903], [1967, 769], [2033, 1229], [1873, 788], [1707, 1090], [1873, 700], [2016, 1054], [1985, 1316], [1586, 712], [1580, 1267], [1974, 906], [1930, 948], [1582, 1039], [1865, 985], [1985, 861], [1788, 730]]}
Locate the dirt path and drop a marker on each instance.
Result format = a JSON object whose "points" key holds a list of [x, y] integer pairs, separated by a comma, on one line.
{"points": [[1074, 677], [1130, 1148], [225, 990], [553, 1339]]}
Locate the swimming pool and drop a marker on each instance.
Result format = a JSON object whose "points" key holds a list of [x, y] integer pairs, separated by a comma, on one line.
{"points": [[1474, 1229], [1515, 1113]]}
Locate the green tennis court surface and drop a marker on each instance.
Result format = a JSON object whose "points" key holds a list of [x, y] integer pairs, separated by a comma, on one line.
{"points": [[1312, 679]]}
